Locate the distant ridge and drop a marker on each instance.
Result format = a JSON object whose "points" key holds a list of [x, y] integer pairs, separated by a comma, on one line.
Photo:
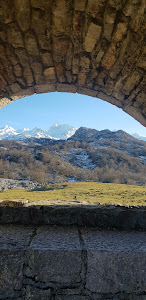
{"points": [[60, 132]]}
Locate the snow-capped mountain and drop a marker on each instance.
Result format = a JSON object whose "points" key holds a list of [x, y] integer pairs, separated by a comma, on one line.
{"points": [[61, 131], [56, 131], [139, 137], [8, 132]]}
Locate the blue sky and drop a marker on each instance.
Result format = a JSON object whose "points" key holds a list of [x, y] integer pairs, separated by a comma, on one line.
{"points": [[44, 110]]}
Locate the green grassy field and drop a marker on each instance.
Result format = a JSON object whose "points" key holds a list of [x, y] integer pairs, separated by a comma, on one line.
{"points": [[80, 193]]}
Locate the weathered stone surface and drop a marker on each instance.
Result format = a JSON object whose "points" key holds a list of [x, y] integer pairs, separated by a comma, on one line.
{"points": [[96, 45], [113, 257], [59, 254], [12, 253], [49, 74], [92, 37], [14, 36], [33, 293], [22, 13], [66, 263], [31, 44]]}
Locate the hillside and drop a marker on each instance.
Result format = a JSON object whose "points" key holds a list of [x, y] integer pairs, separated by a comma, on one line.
{"points": [[88, 155]]}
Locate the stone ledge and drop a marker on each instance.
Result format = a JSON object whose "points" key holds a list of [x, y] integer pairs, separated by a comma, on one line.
{"points": [[104, 217], [64, 263]]}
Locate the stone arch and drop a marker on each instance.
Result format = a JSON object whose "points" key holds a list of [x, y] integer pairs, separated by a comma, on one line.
{"points": [[93, 47]]}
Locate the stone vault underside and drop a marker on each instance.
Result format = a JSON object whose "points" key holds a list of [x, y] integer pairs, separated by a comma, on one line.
{"points": [[93, 47]]}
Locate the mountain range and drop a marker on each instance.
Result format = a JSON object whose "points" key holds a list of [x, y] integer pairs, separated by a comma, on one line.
{"points": [[86, 155], [55, 132]]}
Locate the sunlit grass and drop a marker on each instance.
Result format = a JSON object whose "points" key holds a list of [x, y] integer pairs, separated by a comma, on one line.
{"points": [[81, 193]]}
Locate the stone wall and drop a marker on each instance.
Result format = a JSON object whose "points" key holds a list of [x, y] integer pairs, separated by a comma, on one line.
{"points": [[70, 263], [93, 47]]}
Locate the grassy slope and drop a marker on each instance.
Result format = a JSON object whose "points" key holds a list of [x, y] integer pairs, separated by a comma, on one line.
{"points": [[82, 193]]}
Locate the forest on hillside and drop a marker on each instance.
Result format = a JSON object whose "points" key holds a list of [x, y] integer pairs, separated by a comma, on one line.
{"points": [[61, 161]]}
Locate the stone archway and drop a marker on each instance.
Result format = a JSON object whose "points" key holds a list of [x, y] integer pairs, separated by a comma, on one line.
{"points": [[93, 47]]}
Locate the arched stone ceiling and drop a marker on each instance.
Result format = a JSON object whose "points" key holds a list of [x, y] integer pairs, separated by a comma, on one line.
{"points": [[93, 47]]}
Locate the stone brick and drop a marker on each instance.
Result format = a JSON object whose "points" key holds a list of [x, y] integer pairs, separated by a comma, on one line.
{"points": [[4, 102], [22, 9], [106, 259], [69, 88], [82, 78], [109, 19], [120, 31], [59, 254], [12, 248], [45, 88], [14, 36], [23, 93], [49, 74], [131, 82], [78, 20], [60, 48], [79, 5], [27, 72], [31, 44], [92, 37], [110, 57], [87, 92], [95, 8], [43, 4], [37, 72], [33, 293], [61, 18], [69, 76], [60, 73], [99, 56], [17, 70], [2, 82], [75, 65], [41, 24], [6, 14], [15, 87], [84, 63], [47, 59]]}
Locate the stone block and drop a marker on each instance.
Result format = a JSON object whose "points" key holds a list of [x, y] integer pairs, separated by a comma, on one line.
{"points": [[31, 44], [13, 244], [110, 57], [95, 8], [14, 36], [60, 72], [79, 5], [92, 37], [82, 78], [23, 93], [45, 88], [87, 92], [69, 88], [27, 72], [116, 261], [33, 293], [22, 9], [43, 4], [4, 102], [49, 74], [55, 256], [47, 59]]}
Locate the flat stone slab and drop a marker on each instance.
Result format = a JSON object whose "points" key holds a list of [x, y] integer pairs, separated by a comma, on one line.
{"points": [[104, 217], [118, 260]]}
